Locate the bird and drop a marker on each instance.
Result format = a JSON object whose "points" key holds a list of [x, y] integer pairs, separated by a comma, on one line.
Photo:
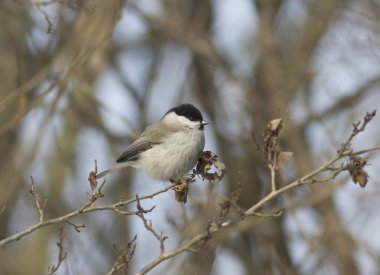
{"points": [[168, 148]]}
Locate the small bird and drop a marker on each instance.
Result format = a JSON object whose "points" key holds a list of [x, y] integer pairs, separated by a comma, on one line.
{"points": [[167, 149]]}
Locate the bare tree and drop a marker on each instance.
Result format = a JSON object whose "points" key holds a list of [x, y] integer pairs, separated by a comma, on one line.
{"points": [[288, 86]]}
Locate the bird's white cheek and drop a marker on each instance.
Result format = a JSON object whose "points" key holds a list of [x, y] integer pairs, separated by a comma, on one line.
{"points": [[188, 123]]}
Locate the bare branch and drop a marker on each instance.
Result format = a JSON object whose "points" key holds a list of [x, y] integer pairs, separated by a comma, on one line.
{"points": [[213, 227], [272, 169], [61, 254], [77, 227], [270, 215], [49, 20], [3, 209], [86, 208], [148, 225], [36, 197], [252, 211], [124, 256], [357, 128]]}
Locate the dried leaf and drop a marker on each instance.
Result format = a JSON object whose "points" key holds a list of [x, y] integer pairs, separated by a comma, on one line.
{"points": [[272, 148], [225, 204], [359, 176], [212, 177], [275, 124], [181, 188], [355, 167], [206, 160], [219, 165], [362, 178], [282, 158], [92, 180]]}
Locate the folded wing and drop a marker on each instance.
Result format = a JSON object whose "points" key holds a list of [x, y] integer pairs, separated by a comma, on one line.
{"points": [[152, 135], [134, 150]]}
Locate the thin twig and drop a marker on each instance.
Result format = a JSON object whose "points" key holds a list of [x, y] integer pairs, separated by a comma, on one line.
{"points": [[357, 128], [61, 254], [3, 209], [252, 211], [124, 256], [77, 227], [84, 209], [36, 198], [148, 225], [272, 168], [271, 215]]}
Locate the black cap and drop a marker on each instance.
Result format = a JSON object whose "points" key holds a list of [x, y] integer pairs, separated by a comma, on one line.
{"points": [[189, 111]]}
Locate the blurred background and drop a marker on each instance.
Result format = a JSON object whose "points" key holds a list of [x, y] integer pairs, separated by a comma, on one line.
{"points": [[80, 79]]}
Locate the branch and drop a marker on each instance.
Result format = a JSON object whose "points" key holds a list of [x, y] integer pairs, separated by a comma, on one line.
{"points": [[61, 254], [252, 211], [357, 128], [272, 169], [86, 208], [37, 201], [148, 225], [3, 209], [125, 255], [272, 154]]}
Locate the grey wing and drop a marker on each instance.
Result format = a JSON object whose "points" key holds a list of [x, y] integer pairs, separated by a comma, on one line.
{"points": [[134, 150], [152, 135]]}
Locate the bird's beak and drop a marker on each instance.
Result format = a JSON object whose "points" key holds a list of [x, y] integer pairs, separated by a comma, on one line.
{"points": [[204, 122]]}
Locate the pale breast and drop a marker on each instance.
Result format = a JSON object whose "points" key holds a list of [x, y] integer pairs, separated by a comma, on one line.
{"points": [[174, 157]]}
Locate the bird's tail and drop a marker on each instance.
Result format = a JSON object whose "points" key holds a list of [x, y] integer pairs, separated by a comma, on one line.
{"points": [[112, 169]]}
